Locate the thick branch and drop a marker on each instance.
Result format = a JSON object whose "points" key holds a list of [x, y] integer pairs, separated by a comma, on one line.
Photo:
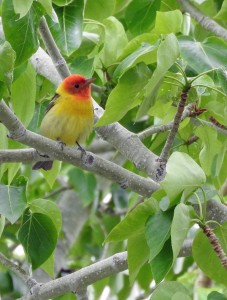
{"points": [[88, 161], [204, 21], [82, 278]]}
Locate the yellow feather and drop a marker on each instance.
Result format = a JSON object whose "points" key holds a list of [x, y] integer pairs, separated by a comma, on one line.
{"points": [[70, 120]]}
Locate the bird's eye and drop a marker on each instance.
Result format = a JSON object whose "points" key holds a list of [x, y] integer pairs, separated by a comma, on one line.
{"points": [[77, 86]]}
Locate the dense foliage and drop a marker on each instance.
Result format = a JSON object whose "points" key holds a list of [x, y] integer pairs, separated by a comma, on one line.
{"points": [[146, 56]]}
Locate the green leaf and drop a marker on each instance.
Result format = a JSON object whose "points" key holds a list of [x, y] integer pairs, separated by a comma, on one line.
{"points": [[113, 47], [180, 296], [166, 290], [3, 135], [138, 254], [22, 7], [7, 60], [25, 41], [183, 177], [134, 222], [183, 215], [47, 5], [23, 94], [85, 184], [140, 15], [38, 236], [157, 231], [168, 22], [146, 53], [62, 2], [48, 266], [162, 262], [2, 224], [82, 65], [99, 9], [52, 174], [216, 296], [222, 14], [210, 263], [209, 149], [12, 201], [120, 102], [167, 54], [49, 208], [68, 32], [210, 53]]}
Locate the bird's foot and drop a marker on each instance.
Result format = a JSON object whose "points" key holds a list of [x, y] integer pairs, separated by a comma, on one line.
{"points": [[83, 151], [62, 145]]}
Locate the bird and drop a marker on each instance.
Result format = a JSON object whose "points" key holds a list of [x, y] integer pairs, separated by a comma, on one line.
{"points": [[69, 117]]}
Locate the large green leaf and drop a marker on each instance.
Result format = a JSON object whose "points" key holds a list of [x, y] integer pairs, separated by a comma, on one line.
{"points": [[138, 254], [23, 94], [182, 219], [38, 235], [68, 32], [146, 53], [162, 263], [51, 175], [210, 263], [12, 201], [140, 15], [113, 47], [7, 59], [99, 9], [134, 222], [157, 231], [210, 53], [48, 208], [22, 33], [167, 54], [168, 22], [183, 177], [120, 101], [216, 296], [166, 290]]}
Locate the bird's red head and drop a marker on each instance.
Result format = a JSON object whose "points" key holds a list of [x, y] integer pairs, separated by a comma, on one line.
{"points": [[77, 85]]}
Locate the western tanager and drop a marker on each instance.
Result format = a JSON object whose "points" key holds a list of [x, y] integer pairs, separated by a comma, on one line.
{"points": [[69, 117]]}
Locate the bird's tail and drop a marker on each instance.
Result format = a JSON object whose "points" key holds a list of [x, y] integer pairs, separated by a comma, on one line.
{"points": [[45, 165]]}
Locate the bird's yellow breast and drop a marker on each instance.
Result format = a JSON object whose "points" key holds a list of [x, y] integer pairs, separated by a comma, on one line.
{"points": [[69, 120]]}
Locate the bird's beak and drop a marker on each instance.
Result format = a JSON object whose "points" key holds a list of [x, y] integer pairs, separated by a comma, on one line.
{"points": [[88, 81]]}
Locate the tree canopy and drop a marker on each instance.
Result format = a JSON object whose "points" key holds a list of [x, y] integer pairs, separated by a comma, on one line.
{"points": [[142, 214]]}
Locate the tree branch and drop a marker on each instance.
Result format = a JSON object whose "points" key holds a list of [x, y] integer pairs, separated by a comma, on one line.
{"points": [[29, 281], [176, 122], [162, 128], [88, 161], [80, 279], [204, 21]]}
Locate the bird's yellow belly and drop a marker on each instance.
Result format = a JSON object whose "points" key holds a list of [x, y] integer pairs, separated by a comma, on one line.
{"points": [[68, 123]]}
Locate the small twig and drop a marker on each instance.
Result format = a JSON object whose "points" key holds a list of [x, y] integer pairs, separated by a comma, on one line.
{"points": [[165, 151], [29, 281], [191, 140], [215, 245], [162, 128], [57, 191]]}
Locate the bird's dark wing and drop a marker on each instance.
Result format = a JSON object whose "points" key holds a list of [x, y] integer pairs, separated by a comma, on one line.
{"points": [[52, 102]]}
